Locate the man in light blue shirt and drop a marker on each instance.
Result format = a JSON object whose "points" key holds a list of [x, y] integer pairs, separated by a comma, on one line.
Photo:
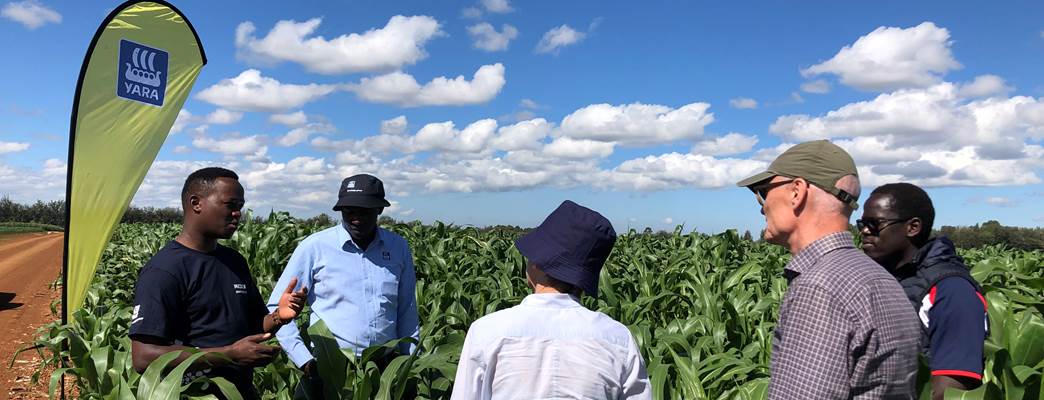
{"points": [[360, 278]]}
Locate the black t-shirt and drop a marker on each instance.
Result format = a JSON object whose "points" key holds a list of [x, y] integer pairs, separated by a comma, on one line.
{"points": [[199, 300]]}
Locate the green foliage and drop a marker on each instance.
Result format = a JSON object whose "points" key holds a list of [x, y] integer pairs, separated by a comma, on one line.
{"points": [[22, 227], [701, 307], [991, 233], [51, 213]]}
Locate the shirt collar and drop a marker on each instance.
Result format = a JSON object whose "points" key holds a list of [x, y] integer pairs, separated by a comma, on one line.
{"points": [[804, 260], [551, 300], [344, 237]]}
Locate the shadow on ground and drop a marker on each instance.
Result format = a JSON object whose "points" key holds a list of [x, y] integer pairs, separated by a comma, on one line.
{"points": [[6, 303]]}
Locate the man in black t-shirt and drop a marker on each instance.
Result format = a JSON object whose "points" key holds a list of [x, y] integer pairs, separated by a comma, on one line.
{"points": [[196, 293]]}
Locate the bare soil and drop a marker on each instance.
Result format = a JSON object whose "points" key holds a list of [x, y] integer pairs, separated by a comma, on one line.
{"points": [[29, 264]]}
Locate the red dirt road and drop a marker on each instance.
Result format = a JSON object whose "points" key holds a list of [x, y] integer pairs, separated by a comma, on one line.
{"points": [[29, 263]]}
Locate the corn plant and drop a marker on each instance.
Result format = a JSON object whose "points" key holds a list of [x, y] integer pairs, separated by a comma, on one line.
{"points": [[701, 307]]}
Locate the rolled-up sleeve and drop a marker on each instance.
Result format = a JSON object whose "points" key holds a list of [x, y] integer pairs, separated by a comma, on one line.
{"points": [[810, 347], [299, 266]]}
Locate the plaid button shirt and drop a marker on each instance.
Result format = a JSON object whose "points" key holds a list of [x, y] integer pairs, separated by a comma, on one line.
{"points": [[846, 329]]}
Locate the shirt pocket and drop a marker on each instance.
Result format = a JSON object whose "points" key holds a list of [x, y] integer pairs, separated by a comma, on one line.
{"points": [[389, 284]]}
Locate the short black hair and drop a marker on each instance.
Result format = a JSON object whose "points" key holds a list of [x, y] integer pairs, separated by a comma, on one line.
{"points": [[563, 286], [202, 181], [911, 201]]}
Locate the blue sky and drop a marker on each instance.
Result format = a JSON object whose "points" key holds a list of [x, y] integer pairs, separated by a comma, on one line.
{"points": [[493, 112]]}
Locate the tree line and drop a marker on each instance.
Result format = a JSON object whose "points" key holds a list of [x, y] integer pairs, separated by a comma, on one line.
{"points": [[53, 213]]}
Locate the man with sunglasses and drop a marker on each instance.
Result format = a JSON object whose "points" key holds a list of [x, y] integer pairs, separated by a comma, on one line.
{"points": [[845, 330], [896, 225]]}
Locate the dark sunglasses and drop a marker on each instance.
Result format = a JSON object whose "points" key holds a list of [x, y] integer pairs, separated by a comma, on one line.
{"points": [[762, 189], [875, 226]]}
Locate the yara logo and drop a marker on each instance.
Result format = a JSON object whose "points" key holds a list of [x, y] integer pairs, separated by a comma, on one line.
{"points": [[142, 73]]}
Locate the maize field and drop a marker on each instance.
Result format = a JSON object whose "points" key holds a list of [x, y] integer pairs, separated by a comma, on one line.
{"points": [[701, 307]]}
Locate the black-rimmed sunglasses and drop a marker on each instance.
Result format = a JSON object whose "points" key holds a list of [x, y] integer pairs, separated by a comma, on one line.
{"points": [[761, 190], [875, 226]]}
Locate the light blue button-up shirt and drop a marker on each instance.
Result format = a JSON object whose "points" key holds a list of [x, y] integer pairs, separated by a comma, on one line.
{"points": [[365, 297]]}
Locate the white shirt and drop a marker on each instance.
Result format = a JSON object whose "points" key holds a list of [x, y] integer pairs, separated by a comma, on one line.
{"points": [[550, 347]]}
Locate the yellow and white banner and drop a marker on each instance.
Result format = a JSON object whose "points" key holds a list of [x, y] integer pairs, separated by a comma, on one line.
{"points": [[138, 71]]}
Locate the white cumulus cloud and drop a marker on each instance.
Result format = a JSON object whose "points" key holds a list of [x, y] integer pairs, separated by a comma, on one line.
{"points": [[557, 38], [892, 58], [637, 124], [934, 136], [732, 143], [394, 126], [223, 117], [443, 136], [302, 133], [524, 135], [818, 86], [917, 114], [184, 118], [529, 103], [292, 119], [674, 170], [13, 147], [484, 36], [247, 145], [743, 103], [984, 86], [31, 14], [566, 147], [1000, 201], [400, 42], [471, 12], [250, 91], [402, 89], [936, 116], [497, 6]]}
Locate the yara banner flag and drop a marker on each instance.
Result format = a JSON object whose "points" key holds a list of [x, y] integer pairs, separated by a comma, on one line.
{"points": [[136, 75]]}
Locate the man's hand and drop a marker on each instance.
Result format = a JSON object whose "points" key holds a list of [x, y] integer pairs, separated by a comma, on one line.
{"points": [[310, 369], [250, 352], [291, 302]]}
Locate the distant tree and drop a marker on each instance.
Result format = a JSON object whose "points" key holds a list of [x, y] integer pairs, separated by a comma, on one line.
{"points": [[747, 236], [151, 215], [991, 233], [385, 220], [322, 220]]}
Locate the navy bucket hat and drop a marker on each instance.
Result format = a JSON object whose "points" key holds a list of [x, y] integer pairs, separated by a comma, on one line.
{"points": [[571, 245]]}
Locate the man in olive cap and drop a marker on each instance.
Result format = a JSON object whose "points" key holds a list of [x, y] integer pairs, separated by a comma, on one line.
{"points": [[550, 346], [845, 330], [360, 278]]}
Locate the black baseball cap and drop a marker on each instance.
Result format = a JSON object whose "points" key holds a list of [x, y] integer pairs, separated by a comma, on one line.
{"points": [[361, 190]]}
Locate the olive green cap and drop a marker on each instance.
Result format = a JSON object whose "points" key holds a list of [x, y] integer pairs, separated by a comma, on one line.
{"points": [[819, 162]]}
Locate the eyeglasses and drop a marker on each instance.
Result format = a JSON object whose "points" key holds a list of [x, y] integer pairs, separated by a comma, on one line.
{"points": [[875, 226], [762, 190]]}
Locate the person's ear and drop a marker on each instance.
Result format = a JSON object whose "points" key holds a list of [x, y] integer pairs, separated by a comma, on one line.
{"points": [[195, 203], [914, 227], [798, 192]]}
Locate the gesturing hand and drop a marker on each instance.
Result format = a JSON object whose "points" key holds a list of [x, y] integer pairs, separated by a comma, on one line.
{"points": [[291, 302]]}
